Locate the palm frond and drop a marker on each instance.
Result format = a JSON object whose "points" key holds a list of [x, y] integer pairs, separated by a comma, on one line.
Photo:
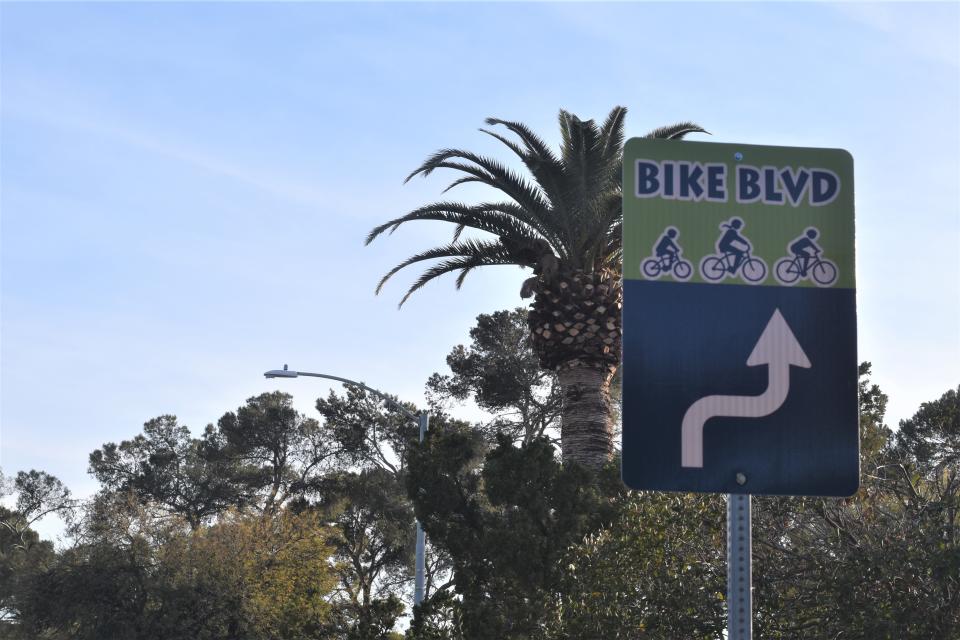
{"points": [[504, 219], [610, 213], [488, 171], [546, 228], [587, 175], [676, 131], [611, 133], [546, 170], [463, 275], [563, 119], [614, 241], [464, 248], [534, 143], [513, 146], [491, 254], [459, 181]]}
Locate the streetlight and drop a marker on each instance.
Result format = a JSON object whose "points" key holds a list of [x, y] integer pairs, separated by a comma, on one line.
{"points": [[422, 420]]}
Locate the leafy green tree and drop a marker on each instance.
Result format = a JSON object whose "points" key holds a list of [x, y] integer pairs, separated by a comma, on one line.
{"points": [[658, 571], [22, 556], [260, 456], [90, 592], [506, 517], [272, 450], [261, 459], [565, 225], [368, 499], [930, 440], [275, 567], [40, 494], [501, 372], [373, 544], [365, 431], [882, 564], [167, 468], [22, 553], [874, 433], [243, 578]]}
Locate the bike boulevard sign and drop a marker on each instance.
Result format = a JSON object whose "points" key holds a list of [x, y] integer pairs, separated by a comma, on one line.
{"points": [[739, 352]]}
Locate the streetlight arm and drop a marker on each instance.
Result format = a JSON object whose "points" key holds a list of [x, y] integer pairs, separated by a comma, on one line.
{"points": [[284, 373]]}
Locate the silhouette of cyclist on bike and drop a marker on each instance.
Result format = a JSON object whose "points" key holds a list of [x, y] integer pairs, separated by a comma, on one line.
{"points": [[733, 243], [666, 247], [805, 249], [666, 258]]}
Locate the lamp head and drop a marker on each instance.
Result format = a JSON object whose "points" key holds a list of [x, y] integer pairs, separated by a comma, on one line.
{"points": [[280, 373]]}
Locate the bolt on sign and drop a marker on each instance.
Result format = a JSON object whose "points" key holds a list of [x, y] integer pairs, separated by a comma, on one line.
{"points": [[740, 336]]}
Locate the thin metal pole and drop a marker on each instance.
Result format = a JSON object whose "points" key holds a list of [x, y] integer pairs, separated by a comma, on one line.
{"points": [[739, 570], [424, 421]]}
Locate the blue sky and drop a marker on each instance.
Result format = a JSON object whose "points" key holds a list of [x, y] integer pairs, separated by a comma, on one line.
{"points": [[186, 187]]}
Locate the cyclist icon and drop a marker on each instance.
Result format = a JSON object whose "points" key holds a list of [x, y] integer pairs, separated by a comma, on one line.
{"points": [[806, 262], [733, 257], [666, 258]]}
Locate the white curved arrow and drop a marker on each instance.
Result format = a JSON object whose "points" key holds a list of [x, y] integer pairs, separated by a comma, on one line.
{"points": [[778, 349]]}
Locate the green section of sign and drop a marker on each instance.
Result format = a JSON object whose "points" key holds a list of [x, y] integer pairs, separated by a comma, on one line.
{"points": [[795, 210]]}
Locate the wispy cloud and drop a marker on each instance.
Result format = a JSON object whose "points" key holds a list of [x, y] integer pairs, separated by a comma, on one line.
{"points": [[71, 116]]}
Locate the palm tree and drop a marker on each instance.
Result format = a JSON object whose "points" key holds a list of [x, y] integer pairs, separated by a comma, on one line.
{"points": [[565, 225]]}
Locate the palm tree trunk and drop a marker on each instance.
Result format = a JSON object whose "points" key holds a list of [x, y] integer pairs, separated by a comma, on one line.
{"points": [[586, 428], [575, 324]]}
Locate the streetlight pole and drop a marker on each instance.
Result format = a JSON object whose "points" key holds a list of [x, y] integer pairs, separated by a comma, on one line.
{"points": [[422, 420]]}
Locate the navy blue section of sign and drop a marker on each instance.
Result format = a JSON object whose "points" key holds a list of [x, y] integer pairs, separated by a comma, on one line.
{"points": [[685, 341]]}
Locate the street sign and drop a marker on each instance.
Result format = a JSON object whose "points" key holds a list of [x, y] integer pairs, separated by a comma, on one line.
{"points": [[739, 350]]}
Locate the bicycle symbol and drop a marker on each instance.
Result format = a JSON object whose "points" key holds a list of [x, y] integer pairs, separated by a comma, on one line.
{"points": [[666, 258], [823, 272], [806, 261], [654, 267], [717, 267], [733, 257]]}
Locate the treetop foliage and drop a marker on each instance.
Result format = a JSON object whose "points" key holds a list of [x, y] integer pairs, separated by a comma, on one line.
{"points": [[501, 372]]}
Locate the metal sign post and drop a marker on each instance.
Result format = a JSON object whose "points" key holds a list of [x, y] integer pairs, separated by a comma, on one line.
{"points": [[739, 568]]}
